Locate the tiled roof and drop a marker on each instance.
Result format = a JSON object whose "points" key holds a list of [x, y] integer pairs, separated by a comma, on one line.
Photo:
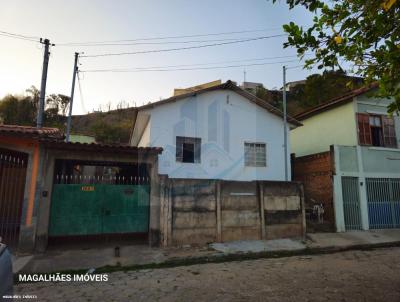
{"points": [[115, 148], [28, 131], [348, 97]]}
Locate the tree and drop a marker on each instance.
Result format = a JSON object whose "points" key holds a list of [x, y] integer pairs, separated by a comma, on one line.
{"points": [[22, 110], [110, 133], [364, 33]]}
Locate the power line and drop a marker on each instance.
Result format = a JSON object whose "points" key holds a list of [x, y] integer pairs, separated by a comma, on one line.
{"points": [[181, 48], [153, 43], [191, 65], [294, 67], [170, 37], [188, 69], [18, 37]]}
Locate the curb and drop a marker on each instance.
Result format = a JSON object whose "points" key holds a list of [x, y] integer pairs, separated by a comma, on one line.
{"points": [[220, 258]]}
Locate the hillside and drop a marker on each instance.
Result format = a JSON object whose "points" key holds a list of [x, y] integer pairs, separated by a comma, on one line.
{"points": [[108, 127]]}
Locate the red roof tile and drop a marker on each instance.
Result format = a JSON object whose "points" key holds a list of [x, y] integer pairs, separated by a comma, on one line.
{"points": [[115, 148], [34, 132]]}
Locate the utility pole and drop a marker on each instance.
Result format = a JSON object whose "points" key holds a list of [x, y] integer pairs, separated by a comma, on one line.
{"points": [[71, 100], [244, 75], [285, 124], [39, 121]]}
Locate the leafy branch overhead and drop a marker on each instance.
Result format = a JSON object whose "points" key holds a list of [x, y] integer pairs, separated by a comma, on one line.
{"points": [[364, 33]]}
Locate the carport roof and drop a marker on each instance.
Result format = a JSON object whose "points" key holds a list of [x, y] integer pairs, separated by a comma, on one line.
{"points": [[96, 147]]}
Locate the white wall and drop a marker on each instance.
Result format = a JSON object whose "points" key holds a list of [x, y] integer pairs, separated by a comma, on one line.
{"points": [[224, 121]]}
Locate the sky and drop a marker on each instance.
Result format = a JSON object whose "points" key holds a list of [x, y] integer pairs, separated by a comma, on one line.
{"points": [[78, 21]]}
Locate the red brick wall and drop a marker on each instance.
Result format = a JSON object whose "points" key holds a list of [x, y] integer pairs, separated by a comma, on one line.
{"points": [[315, 172]]}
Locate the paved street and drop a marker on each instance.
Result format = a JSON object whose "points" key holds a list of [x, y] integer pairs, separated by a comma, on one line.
{"points": [[348, 276]]}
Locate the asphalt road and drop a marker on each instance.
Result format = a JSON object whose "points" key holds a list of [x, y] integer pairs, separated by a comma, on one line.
{"points": [[347, 276]]}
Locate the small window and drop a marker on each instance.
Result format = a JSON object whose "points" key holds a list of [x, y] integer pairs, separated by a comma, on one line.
{"points": [[255, 155], [376, 130], [188, 149]]}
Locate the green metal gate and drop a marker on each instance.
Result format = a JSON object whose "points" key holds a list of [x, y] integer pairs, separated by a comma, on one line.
{"points": [[87, 209], [351, 203]]}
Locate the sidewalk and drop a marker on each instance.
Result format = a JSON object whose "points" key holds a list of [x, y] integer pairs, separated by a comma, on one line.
{"points": [[141, 256]]}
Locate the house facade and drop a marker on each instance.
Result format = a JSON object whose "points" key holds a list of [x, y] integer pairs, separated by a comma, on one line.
{"points": [[347, 154], [220, 132]]}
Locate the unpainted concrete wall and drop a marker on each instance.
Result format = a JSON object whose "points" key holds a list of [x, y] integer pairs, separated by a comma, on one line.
{"points": [[283, 210], [193, 211], [198, 212], [240, 211]]}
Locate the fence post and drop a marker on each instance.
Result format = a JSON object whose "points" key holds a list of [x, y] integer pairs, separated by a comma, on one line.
{"points": [[169, 185], [363, 191], [262, 212], [303, 209], [218, 201]]}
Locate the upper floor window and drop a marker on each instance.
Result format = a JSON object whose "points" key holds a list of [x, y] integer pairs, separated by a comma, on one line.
{"points": [[376, 130], [188, 149], [255, 155]]}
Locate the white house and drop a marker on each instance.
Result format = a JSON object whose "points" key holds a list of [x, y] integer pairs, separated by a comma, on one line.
{"points": [[220, 132]]}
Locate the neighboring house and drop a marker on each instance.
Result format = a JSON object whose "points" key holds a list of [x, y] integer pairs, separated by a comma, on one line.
{"points": [[219, 132], [251, 86], [347, 155], [79, 138]]}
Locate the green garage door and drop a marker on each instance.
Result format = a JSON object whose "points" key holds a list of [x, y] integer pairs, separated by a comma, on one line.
{"points": [[78, 209]]}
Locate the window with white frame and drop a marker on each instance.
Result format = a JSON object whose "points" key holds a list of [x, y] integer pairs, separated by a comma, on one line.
{"points": [[255, 155]]}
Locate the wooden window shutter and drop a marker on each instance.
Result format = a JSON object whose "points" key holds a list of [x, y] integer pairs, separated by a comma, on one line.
{"points": [[364, 130], [389, 132]]}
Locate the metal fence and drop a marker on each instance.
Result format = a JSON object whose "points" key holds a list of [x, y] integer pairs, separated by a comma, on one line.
{"points": [[12, 186], [383, 195], [351, 203], [65, 179]]}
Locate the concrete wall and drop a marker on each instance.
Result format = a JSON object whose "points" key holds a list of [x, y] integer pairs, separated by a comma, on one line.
{"points": [[240, 211], [224, 120], [284, 210], [319, 132], [316, 172], [198, 212], [145, 139]]}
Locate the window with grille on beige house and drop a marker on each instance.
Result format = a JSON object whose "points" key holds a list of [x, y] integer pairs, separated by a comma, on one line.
{"points": [[255, 155], [376, 130]]}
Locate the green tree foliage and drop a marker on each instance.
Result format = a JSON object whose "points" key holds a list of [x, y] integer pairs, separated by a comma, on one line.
{"points": [[110, 133], [22, 110], [317, 89], [364, 33], [322, 88], [19, 110]]}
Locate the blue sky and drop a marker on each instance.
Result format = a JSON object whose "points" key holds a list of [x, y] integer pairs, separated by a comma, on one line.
{"points": [[82, 21]]}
